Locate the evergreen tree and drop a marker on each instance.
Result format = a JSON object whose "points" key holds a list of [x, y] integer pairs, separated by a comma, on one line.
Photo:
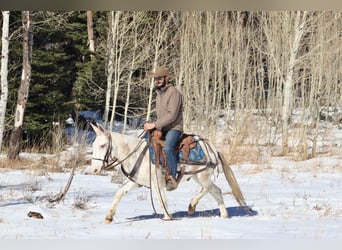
{"points": [[61, 71], [90, 78]]}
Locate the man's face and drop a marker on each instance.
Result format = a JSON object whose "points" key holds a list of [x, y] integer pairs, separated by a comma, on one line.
{"points": [[160, 81]]}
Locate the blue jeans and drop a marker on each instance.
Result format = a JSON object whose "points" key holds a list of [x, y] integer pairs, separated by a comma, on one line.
{"points": [[171, 139]]}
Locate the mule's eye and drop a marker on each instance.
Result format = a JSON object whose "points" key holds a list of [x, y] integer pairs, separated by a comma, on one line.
{"points": [[103, 146]]}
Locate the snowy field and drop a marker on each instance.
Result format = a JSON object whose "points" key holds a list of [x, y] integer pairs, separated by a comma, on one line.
{"points": [[290, 200]]}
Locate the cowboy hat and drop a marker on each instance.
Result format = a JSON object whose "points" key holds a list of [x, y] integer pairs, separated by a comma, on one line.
{"points": [[160, 71]]}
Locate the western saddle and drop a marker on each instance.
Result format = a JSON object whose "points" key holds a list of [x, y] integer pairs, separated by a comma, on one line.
{"points": [[185, 144]]}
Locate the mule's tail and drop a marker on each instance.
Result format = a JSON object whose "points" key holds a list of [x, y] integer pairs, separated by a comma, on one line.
{"points": [[230, 177]]}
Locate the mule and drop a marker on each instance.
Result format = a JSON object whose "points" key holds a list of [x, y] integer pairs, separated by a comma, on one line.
{"points": [[114, 149]]}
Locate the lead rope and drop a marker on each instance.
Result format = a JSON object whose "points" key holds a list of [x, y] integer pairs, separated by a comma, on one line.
{"points": [[150, 169], [158, 186]]}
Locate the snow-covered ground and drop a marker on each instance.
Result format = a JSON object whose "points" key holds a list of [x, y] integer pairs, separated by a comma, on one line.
{"points": [[290, 200]]}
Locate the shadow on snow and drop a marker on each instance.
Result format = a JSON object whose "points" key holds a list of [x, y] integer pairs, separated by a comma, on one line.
{"points": [[232, 211]]}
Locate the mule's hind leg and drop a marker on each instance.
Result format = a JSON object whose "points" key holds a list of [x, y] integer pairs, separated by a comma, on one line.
{"points": [[127, 186], [216, 192], [208, 186], [194, 201]]}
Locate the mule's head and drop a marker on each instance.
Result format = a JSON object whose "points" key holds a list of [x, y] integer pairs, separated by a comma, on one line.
{"points": [[101, 147]]}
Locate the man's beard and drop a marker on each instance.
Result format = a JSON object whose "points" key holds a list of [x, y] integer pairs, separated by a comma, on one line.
{"points": [[161, 86]]}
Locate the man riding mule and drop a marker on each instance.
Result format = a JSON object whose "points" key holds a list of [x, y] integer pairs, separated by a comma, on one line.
{"points": [[169, 109], [129, 152]]}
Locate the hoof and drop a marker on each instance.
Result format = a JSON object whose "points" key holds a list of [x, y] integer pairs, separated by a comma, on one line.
{"points": [[191, 209], [108, 221], [223, 212], [167, 218]]}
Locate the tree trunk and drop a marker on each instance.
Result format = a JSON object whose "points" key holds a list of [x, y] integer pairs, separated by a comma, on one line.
{"points": [[159, 33], [90, 28], [298, 31], [4, 72], [23, 91], [113, 24], [118, 46], [129, 80]]}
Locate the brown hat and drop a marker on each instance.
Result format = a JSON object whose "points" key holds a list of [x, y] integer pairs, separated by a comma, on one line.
{"points": [[160, 71]]}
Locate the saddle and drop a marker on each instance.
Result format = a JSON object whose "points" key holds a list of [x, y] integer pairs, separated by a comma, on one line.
{"points": [[188, 151], [184, 145]]}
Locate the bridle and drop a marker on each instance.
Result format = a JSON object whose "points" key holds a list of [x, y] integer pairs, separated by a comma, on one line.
{"points": [[108, 161]]}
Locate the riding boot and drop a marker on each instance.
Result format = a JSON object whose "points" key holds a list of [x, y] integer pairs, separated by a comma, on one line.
{"points": [[171, 183]]}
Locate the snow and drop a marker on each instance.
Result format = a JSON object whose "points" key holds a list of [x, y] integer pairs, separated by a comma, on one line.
{"points": [[290, 200]]}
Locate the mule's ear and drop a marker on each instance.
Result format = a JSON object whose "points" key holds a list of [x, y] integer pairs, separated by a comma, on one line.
{"points": [[98, 129], [101, 127]]}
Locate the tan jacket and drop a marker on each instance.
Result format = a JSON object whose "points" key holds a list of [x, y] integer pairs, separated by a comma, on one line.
{"points": [[169, 108]]}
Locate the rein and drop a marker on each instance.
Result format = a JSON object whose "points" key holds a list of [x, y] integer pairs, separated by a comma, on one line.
{"points": [[158, 186], [110, 163], [115, 162]]}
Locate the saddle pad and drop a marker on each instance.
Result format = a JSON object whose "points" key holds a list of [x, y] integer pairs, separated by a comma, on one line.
{"points": [[196, 154]]}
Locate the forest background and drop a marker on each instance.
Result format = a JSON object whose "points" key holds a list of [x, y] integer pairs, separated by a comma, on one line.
{"points": [[254, 69]]}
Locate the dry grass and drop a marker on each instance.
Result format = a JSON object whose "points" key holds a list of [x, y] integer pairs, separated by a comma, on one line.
{"points": [[30, 188], [48, 164], [243, 154], [258, 169], [81, 200], [52, 163], [249, 144], [20, 164], [48, 154], [255, 138]]}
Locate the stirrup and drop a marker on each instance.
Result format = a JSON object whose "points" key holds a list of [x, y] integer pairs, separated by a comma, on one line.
{"points": [[180, 174]]}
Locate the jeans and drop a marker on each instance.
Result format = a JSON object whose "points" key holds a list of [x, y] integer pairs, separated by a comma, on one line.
{"points": [[171, 140]]}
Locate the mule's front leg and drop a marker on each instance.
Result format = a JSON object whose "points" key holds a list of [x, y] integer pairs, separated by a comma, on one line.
{"points": [[127, 186]]}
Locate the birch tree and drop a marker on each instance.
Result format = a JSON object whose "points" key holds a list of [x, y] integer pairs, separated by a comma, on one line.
{"points": [[132, 67], [4, 72], [323, 90], [113, 66], [298, 28], [118, 41], [284, 32], [23, 90], [214, 61], [90, 28], [113, 21], [159, 36]]}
